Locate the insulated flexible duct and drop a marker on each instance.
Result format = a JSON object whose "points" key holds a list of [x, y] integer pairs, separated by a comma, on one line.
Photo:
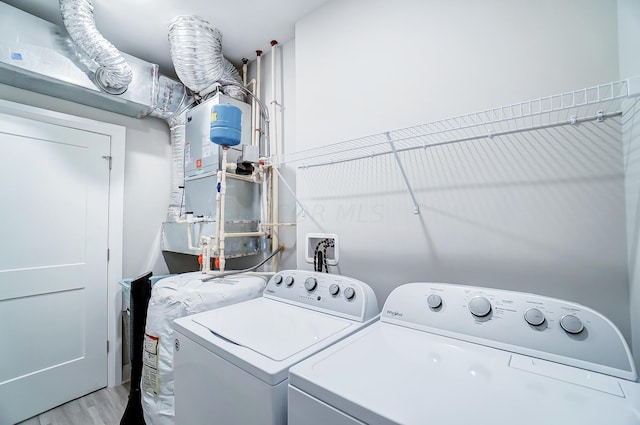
{"points": [[114, 74], [232, 82], [196, 52]]}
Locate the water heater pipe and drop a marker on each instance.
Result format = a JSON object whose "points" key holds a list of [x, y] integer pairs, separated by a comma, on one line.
{"points": [[273, 150], [189, 221], [254, 106], [244, 71], [258, 95], [220, 218]]}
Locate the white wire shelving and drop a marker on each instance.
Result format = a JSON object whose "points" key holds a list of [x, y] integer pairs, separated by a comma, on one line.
{"points": [[590, 104]]}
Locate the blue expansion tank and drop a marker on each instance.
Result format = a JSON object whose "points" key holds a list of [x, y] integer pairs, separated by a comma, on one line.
{"points": [[225, 124]]}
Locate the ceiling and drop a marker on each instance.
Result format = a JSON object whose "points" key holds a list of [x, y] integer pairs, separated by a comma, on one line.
{"points": [[140, 27]]}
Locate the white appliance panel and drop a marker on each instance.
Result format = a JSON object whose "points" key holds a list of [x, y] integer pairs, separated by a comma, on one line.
{"points": [[402, 376], [271, 328], [308, 409], [433, 359], [206, 403], [239, 356]]}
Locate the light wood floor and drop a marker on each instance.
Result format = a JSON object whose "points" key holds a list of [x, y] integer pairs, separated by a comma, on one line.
{"points": [[103, 407]]}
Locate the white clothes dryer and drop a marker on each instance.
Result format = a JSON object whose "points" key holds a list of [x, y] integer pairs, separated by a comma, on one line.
{"points": [[449, 354], [231, 364]]}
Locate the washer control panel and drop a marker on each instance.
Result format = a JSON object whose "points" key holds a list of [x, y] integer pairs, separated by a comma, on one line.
{"points": [[529, 324], [329, 293]]}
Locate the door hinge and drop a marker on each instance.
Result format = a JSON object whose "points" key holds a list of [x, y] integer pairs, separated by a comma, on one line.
{"points": [[108, 254], [107, 346], [109, 158]]}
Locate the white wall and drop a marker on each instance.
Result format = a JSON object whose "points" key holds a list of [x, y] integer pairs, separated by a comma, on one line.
{"points": [[629, 46], [147, 177], [541, 212]]}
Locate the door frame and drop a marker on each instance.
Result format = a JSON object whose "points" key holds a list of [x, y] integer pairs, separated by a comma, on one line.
{"points": [[117, 135]]}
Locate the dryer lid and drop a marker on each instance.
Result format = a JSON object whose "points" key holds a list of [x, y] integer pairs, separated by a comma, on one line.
{"points": [[271, 328], [389, 374]]}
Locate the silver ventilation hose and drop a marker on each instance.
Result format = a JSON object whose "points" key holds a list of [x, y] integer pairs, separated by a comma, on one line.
{"points": [[114, 74], [196, 52], [231, 80]]}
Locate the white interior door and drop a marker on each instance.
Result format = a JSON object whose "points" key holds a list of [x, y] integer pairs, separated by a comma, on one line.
{"points": [[54, 194]]}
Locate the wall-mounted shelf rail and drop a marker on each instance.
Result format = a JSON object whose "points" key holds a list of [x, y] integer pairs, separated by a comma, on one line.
{"points": [[590, 104]]}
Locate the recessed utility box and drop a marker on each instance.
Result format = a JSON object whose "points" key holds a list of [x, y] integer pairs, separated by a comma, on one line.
{"points": [[325, 242]]}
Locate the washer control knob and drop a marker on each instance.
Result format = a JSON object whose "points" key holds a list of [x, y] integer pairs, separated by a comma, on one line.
{"points": [[571, 324], [334, 289], [434, 301], [534, 317], [479, 306], [289, 280], [349, 293], [310, 284], [277, 279]]}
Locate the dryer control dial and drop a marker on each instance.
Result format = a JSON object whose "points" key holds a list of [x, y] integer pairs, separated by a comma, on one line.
{"points": [[349, 293], [571, 324], [479, 306], [534, 317], [289, 280], [277, 279], [334, 289], [434, 301], [310, 284]]}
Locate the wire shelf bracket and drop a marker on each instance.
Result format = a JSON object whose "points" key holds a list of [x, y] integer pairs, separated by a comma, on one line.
{"points": [[416, 208]]}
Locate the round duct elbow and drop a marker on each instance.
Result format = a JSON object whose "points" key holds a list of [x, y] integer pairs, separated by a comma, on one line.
{"points": [[196, 52], [232, 82], [114, 74]]}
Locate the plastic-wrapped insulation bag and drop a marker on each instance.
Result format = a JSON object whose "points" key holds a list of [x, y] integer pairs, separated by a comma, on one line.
{"points": [[171, 298]]}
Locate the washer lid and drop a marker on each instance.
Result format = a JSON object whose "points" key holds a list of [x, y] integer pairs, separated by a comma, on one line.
{"points": [[272, 328]]}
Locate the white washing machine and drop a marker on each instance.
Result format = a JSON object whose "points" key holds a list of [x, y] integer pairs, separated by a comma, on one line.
{"points": [[449, 355], [231, 364]]}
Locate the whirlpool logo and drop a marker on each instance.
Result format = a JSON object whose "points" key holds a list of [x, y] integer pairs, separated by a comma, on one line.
{"points": [[394, 313]]}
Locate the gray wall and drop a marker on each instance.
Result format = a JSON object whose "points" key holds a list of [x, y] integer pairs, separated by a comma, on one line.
{"points": [[147, 177], [629, 46], [540, 212]]}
